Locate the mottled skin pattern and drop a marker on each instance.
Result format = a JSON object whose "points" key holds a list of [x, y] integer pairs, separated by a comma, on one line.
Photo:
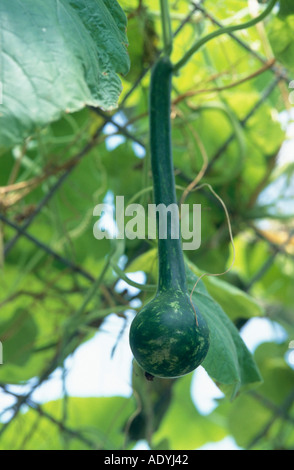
{"points": [[165, 339]]}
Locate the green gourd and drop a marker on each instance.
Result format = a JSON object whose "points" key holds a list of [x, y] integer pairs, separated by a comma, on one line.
{"points": [[168, 337]]}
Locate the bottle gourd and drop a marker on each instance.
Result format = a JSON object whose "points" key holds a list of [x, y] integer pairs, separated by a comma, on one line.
{"points": [[168, 337]]}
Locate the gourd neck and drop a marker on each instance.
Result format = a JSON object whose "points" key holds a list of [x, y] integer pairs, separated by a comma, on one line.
{"points": [[171, 262]]}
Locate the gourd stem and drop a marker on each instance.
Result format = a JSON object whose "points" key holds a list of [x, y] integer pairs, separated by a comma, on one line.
{"points": [[171, 262]]}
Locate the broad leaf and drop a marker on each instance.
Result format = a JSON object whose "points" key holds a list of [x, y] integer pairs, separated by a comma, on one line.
{"points": [[228, 361], [67, 56]]}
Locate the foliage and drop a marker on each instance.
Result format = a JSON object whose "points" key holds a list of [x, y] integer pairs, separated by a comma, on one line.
{"points": [[70, 140], [65, 58]]}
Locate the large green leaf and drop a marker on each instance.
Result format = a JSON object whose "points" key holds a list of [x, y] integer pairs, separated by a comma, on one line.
{"points": [[58, 57], [228, 360]]}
